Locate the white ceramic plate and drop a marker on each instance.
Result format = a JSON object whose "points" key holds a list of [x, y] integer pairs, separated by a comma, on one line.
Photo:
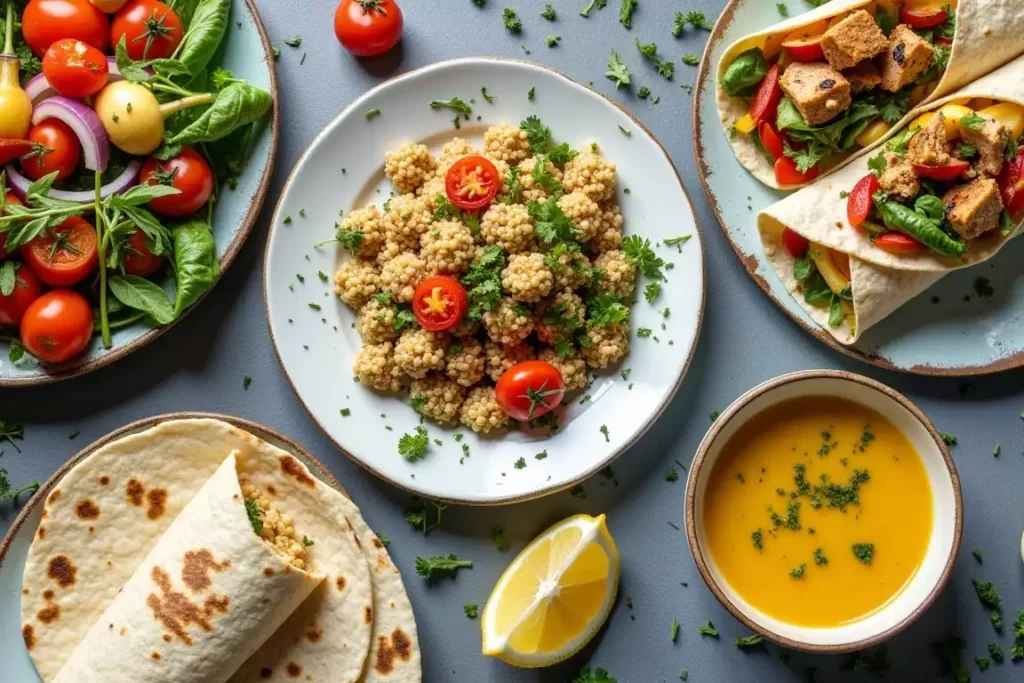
{"points": [[317, 346]]}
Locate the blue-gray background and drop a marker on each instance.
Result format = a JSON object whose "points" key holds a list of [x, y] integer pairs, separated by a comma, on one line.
{"points": [[199, 365]]}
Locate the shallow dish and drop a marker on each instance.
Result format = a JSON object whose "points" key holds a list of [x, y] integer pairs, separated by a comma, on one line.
{"points": [[248, 54], [14, 547], [947, 519], [313, 330], [979, 331]]}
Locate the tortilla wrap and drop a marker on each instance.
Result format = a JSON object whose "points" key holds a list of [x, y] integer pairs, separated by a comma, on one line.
{"points": [[328, 636], [988, 35], [881, 281]]}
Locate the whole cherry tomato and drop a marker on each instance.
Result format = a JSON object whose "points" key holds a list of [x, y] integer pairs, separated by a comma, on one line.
{"points": [[63, 256], [368, 27], [44, 22], [472, 183], [795, 243], [188, 172], [151, 29], [55, 147], [530, 389], [57, 326], [75, 69], [26, 290], [439, 303], [138, 259]]}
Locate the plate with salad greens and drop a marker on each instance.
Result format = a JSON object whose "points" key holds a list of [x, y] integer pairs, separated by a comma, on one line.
{"points": [[136, 144], [957, 315], [484, 281]]}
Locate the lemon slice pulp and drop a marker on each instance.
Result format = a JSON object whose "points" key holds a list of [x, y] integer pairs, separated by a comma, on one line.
{"points": [[555, 595]]}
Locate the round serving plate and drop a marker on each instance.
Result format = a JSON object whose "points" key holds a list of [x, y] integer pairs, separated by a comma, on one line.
{"points": [[970, 323], [246, 52], [313, 331], [15, 546]]}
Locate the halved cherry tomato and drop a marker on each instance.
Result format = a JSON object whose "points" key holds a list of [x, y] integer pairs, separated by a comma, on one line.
{"points": [[63, 256], [922, 18], [472, 183], [439, 303], [57, 326], [787, 174], [898, 243], [767, 97], [1011, 183], [795, 243], [26, 290], [138, 259], [151, 29], [804, 48], [859, 203], [942, 173], [44, 22], [55, 147], [75, 69], [11, 198], [771, 140], [530, 389], [368, 27], [188, 172]]}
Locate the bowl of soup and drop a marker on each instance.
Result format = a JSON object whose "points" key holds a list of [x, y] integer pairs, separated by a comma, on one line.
{"points": [[824, 511]]}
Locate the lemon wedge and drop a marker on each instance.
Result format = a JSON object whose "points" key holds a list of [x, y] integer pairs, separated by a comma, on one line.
{"points": [[555, 596]]}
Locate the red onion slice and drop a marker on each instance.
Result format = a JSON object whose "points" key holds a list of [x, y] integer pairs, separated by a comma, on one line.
{"points": [[86, 124], [118, 185]]}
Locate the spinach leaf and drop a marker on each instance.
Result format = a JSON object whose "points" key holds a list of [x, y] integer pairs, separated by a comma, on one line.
{"points": [[931, 206], [835, 312], [195, 262], [816, 291], [185, 9], [746, 70], [235, 106], [918, 225], [838, 135], [142, 295], [209, 24]]}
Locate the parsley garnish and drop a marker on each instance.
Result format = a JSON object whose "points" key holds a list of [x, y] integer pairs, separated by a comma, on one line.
{"points": [[639, 251], [413, 447], [470, 608], [750, 641], [695, 19], [552, 40], [441, 566], [294, 41], [819, 557], [548, 13], [690, 60], [600, 675], [617, 70], [709, 629], [594, 4], [246, 381], [865, 552], [783, 10], [626, 13], [255, 515], [675, 630], [12, 432], [798, 572], [417, 516], [370, 115], [455, 104], [512, 22], [973, 122], [650, 52]]}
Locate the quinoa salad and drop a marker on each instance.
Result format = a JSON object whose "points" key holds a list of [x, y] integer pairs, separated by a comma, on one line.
{"points": [[495, 279]]}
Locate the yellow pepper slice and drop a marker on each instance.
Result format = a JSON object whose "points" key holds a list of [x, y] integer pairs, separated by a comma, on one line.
{"points": [[746, 124], [873, 133], [1009, 114], [834, 277]]}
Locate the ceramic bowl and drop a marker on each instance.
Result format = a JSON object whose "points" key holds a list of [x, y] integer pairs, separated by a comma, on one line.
{"points": [[947, 525]]}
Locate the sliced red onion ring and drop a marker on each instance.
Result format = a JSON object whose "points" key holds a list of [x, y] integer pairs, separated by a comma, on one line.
{"points": [[118, 185], [38, 88], [86, 124]]}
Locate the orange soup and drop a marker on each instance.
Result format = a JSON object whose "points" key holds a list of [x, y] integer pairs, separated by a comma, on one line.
{"points": [[818, 511]]}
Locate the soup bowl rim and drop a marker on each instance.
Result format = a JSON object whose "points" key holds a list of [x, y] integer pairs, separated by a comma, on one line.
{"points": [[694, 534]]}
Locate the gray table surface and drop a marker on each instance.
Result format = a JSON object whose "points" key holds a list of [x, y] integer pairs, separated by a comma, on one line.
{"points": [[199, 365]]}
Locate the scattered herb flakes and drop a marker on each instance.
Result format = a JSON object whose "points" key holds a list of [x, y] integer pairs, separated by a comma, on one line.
{"points": [[628, 133], [617, 70], [709, 629], [757, 538], [512, 21], [441, 566], [750, 642], [11, 432], [498, 535], [684, 675], [246, 382], [694, 19], [713, 415], [995, 651], [345, 412], [865, 552], [983, 287], [977, 555], [982, 662], [74, 434], [314, 306], [372, 114], [798, 572], [489, 98], [819, 556], [456, 104], [626, 12], [600, 675], [783, 10], [578, 492], [643, 92], [671, 475], [604, 430], [552, 40], [287, 219], [520, 463], [294, 41], [541, 456], [592, 5], [531, 93], [549, 13], [950, 439], [322, 275], [470, 610], [413, 447], [675, 630], [690, 59]]}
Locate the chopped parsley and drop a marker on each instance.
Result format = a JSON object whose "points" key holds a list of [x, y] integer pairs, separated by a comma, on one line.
{"points": [[604, 430], [455, 104], [470, 610], [617, 70], [552, 40], [417, 516], [757, 538], [370, 115], [246, 381], [594, 4], [548, 13], [865, 552], [441, 566], [819, 557], [949, 439], [709, 629], [977, 555], [294, 41], [8, 493], [674, 633], [600, 675], [783, 10], [652, 291], [671, 474], [666, 69], [798, 572], [413, 447], [694, 19], [626, 13], [512, 21], [498, 535], [750, 641], [690, 59], [255, 514], [638, 250]]}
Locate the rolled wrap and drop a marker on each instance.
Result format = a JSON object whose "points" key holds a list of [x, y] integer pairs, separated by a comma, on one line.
{"points": [[988, 35], [209, 593], [881, 281]]}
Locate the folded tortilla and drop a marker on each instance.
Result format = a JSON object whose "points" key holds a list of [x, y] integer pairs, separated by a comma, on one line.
{"points": [[988, 35], [881, 281], [140, 483]]}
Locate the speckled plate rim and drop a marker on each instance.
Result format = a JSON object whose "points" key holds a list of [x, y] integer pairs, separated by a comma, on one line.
{"points": [[246, 225], [750, 261], [254, 428], [691, 500], [540, 493]]}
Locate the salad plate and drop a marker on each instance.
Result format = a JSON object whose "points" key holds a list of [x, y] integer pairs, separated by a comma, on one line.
{"points": [[968, 323], [244, 54], [314, 332]]}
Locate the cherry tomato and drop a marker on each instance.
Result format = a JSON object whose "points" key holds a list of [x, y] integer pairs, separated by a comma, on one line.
{"points": [[897, 243], [786, 173], [530, 389], [942, 173], [187, 172], [1011, 183], [859, 203], [57, 326], [109, 6], [151, 28], [75, 69], [439, 303], [11, 198], [26, 290], [771, 140], [922, 18], [472, 183], [138, 259], [54, 148], [767, 97], [13, 149], [804, 48], [63, 256], [795, 243], [44, 22], [368, 27]]}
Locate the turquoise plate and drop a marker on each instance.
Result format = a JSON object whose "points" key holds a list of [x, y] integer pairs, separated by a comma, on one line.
{"points": [[246, 51], [17, 665], [964, 332]]}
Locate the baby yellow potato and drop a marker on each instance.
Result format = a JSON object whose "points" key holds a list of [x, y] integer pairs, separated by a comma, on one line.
{"points": [[1009, 114]]}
